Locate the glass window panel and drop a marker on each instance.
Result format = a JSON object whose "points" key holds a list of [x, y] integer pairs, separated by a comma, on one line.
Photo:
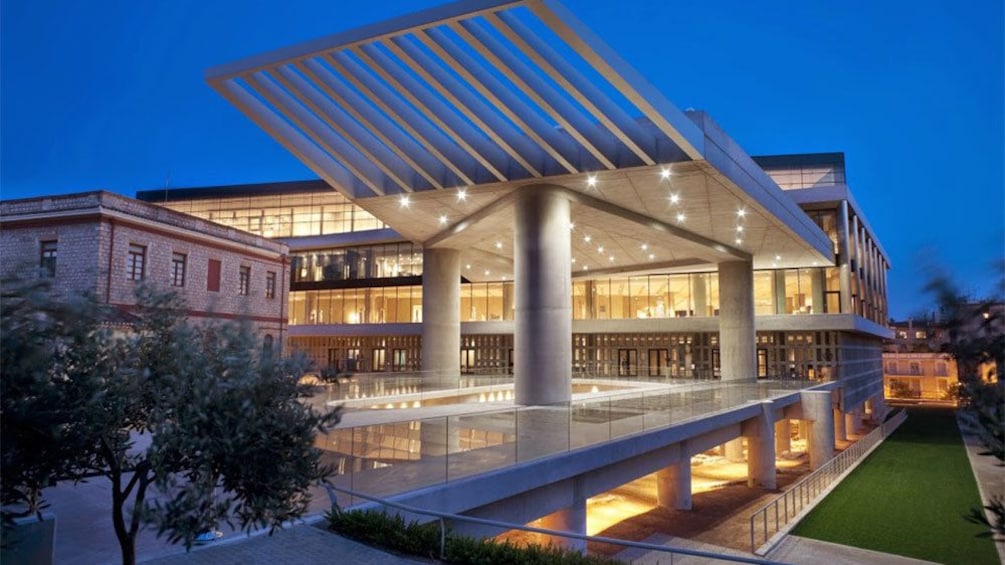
{"points": [[764, 292]]}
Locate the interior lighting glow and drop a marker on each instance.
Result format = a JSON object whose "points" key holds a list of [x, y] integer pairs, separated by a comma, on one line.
{"points": [[443, 220], [741, 212], [468, 266], [652, 256], [405, 201], [612, 257], [739, 241], [487, 272], [778, 257], [600, 249], [739, 228], [645, 247], [674, 198], [587, 238], [665, 173], [681, 217], [586, 267], [462, 195], [498, 245], [573, 260], [591, 181]]}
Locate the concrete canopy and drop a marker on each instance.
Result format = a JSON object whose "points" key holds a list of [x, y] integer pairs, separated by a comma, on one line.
{"points": [[432, 119]]}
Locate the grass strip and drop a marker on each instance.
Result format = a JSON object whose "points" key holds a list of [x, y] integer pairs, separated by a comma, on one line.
{"points": [[908, 497]]}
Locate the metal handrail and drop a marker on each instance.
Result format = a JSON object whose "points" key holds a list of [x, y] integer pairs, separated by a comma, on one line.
{"points": [[441, 516], [807, 491]]}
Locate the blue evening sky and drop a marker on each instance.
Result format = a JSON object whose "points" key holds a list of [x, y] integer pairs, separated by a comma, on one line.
{"points": [[110, 94]]}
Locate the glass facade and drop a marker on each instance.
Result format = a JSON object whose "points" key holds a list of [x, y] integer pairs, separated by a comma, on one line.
{"points": [[282, 215], [790, 291], [355, 263], [789, 178]]}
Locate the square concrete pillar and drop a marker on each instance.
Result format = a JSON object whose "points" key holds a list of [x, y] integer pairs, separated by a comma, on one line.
{"points": [[818, 410], [783, 436], [571, 519], [839, 425], [673, 485], [760, 435], [737, 339], [733, 450]]}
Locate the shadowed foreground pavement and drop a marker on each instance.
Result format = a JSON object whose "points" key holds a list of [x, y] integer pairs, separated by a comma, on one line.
{"points": [[296, 545]]}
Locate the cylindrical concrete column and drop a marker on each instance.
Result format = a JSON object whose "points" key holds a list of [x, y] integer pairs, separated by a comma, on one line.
{"points": [[839, 425], [543, 318], [673, 485], [818, 410], [733, 450], [783, 436], [699, 294], [817, 284], [760, 434], [779, 283], [738, 350], [441, 314], [571, 519]]}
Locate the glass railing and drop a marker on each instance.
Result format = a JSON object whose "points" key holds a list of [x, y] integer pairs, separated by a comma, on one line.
{"points": [[398, 456]]}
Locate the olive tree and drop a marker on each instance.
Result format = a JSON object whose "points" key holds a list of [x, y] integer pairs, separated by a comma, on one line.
{"points": [[229, 439]]}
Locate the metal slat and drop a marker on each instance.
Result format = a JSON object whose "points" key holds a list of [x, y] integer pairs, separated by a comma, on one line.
{"points": [[448, 153], [622, 125], [467, 104], [295, 142], [622, 76], [496, 92], [403, 146], [343, 125], [314, 128], [533, 86], [434, 110]]}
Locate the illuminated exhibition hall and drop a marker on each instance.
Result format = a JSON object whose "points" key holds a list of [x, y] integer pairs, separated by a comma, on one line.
{"points": [[530, 278]]}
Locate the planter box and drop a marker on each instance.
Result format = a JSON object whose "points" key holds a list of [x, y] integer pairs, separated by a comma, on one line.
{"points": [[30, 541]]}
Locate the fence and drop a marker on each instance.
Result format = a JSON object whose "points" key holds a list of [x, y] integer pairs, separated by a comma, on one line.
{"points": [[773, 518], [384, 458], [442, 517]]}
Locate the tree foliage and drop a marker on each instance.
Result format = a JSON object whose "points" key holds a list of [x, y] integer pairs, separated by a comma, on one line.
{"points": [[200, 412]]}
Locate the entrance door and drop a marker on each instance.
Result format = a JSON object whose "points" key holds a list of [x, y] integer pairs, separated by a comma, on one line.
{"points": [[628, 360], [658, 363]]}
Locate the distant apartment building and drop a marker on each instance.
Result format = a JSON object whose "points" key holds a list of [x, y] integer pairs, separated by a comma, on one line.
{"points": [[108, 244], [916, 363]]}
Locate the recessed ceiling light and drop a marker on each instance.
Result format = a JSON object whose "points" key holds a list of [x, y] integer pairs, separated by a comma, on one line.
{"points": [[645, 246], [487, 272], [498, 245], [468, 266], [674, 198], [612, 257], [404, 201], [462, 195], [591, 181], [587, 238], [443, 220], [574, 260], [586, 267], [739, 228], [739, 241], [651, 256], [778, 257], [572, 225], [665, 173], [741, 212], [681, 217], [600, 249]]}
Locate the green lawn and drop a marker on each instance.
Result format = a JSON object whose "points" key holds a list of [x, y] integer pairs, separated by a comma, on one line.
{"points": [[908, 497]]}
